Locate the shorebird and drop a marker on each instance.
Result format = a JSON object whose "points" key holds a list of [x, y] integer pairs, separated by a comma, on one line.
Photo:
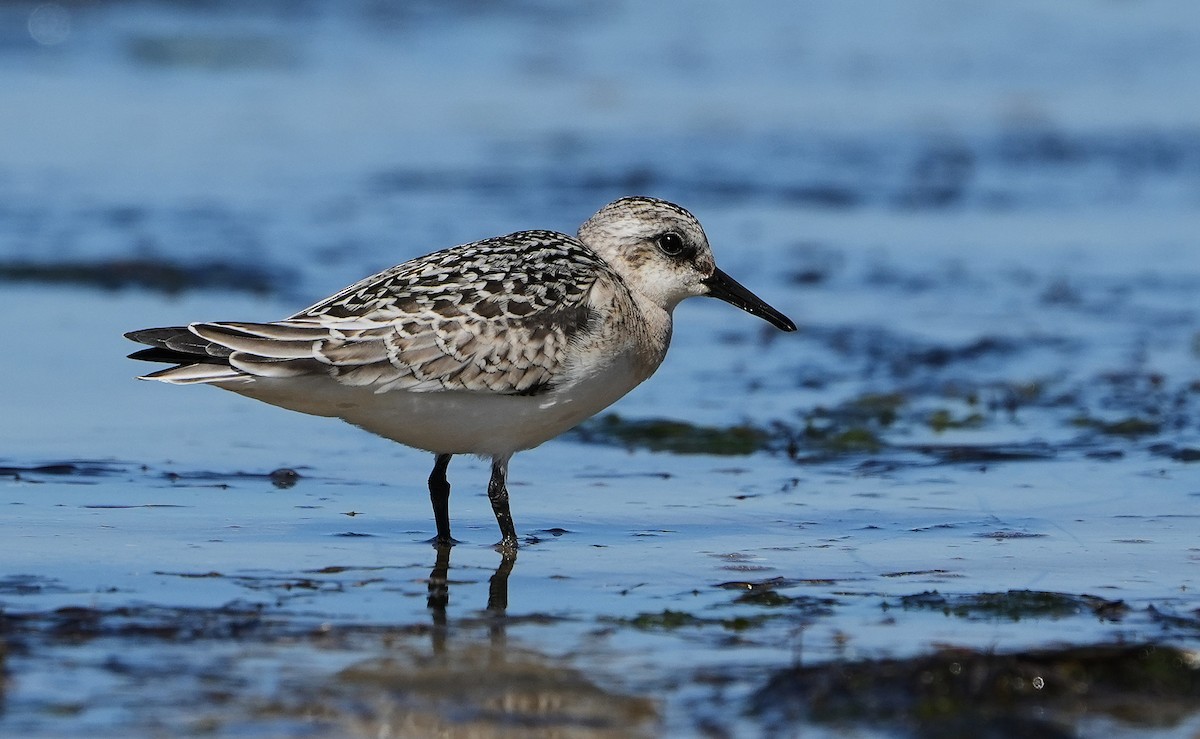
{"points": [[487, 348]]}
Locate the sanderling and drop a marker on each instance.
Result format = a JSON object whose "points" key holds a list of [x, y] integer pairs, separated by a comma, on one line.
{"points": [[487, 348]]}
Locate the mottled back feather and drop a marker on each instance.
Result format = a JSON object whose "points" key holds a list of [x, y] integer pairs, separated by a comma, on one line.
{"points": [[494, 316]]}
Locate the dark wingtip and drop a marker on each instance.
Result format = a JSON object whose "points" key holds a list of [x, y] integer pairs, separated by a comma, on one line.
{"points": [[177, 345], [156, 336], [158, 354]]}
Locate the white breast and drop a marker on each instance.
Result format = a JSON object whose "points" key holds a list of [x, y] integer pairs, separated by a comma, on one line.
{"points": [[456, 422]]}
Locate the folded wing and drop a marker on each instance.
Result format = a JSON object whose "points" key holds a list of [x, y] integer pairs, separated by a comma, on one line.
{"points": [[496, 316]]}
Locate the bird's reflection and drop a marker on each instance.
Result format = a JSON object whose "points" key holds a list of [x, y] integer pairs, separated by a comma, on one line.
{"points": [[497, 602], [467, 684]]}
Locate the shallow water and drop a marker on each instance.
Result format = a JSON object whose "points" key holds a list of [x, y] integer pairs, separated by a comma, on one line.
{"points": [[976, 458]]}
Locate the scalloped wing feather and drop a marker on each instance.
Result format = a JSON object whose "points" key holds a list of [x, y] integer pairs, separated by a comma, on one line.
{"points": [[478, 317]]}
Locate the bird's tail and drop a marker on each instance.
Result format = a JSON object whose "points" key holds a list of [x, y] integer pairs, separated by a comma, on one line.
{"points": [[196, 360]]}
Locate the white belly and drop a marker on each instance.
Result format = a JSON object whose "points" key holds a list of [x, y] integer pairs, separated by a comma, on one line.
{"points": [[453, 422]]}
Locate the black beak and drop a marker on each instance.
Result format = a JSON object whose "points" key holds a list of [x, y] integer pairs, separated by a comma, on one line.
{"points": [[722, 286]]}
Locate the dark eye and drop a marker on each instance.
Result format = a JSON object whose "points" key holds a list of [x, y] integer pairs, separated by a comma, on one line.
{"points": [[670, 244]]}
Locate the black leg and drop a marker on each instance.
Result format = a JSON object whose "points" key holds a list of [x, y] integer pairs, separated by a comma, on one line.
{"points": [[439, 495], [498, 494]]}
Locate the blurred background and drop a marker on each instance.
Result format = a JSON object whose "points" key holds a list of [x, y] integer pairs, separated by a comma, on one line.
{"points": [[308, 142], [1015, 183]]}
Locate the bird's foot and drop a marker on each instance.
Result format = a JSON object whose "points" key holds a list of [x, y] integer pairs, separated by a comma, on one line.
{"points": [[507, 546]]}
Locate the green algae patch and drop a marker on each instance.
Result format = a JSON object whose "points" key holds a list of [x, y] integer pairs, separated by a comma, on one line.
{"points": [[669, 620], [676, 437], [943, 420], [952, 692], [848, 441], [768, 598], [1014, 605], [882, 408], [985, 453], [852, 427], [148, 274], [1132, 426], [1177, 453]]}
